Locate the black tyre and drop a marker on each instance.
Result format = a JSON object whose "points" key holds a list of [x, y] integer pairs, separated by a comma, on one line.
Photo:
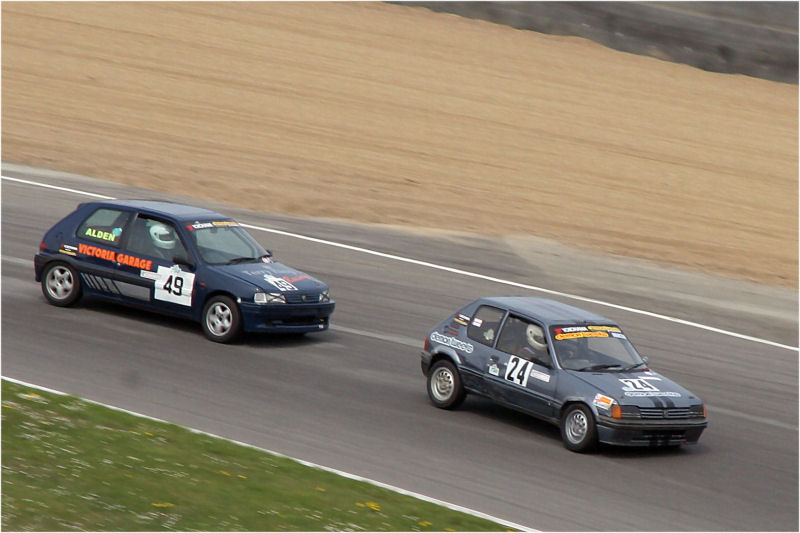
{"points": [[61, 285], [444, 385], [222, 320], [578, 428]]}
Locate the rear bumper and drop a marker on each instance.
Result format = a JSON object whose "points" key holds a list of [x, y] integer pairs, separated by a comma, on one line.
{"points": [[286, 318], [650, 432], [425, 363]]}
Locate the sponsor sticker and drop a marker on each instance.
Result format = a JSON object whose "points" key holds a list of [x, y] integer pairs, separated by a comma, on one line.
{"points": [[604, 328], [580, 334], [601, 401], [149, 274], [477, 322], [452, 342]]}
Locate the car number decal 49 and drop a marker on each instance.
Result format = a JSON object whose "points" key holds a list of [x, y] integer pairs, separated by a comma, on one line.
{"points": [[520, 370], [174, 285]]}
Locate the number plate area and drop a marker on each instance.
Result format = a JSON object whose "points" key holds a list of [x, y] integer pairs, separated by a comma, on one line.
{"points": [[174, 285]]}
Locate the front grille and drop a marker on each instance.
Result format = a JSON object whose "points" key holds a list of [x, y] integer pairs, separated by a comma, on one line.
{"points": [[664, 412], [301, 298], [660, 437]]}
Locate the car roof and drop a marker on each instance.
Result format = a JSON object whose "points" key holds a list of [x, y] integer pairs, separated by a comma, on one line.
{"points": [[166, 209], [548, 311]]}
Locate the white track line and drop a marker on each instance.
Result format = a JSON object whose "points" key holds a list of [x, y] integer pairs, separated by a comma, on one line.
{"points": [[354, 477], [464, 273]]}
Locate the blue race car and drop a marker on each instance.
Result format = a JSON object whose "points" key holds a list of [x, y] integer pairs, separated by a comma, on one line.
{"points": [[180, 260], [561, 364]]}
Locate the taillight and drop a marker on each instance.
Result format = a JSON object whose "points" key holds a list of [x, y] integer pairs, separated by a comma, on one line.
{"points": [[42, 246], [427, 341]]}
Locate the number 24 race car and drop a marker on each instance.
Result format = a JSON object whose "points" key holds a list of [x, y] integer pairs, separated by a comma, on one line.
{"points": [[563, 365], [179, 260]]}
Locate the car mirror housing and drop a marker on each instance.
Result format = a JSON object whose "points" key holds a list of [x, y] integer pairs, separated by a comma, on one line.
{"points": [[183, 260]]}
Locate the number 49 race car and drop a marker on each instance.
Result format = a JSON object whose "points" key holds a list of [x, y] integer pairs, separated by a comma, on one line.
{"points": [[561, 364], [179, 260]]}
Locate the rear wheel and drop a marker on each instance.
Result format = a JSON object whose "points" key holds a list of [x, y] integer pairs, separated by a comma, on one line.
{"points": [[61, 284], [578, 429], [444, 385], [222, 321]]}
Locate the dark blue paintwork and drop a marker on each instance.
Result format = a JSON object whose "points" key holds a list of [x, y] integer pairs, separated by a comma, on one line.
{"points": [[111, 276], [652, 410]]}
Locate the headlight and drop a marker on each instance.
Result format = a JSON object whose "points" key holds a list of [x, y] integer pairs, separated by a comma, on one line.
{"points": [[325, 296], [697, 411], [269, 298]]}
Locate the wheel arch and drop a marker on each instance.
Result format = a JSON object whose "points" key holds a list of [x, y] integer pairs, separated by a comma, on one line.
{"points": [[444, 353], [572, 401], [208, 296]]}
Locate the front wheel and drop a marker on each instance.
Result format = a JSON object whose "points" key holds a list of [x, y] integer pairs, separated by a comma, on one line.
{"points": [[578, 429], [61, 284], [222, 321], [444, 385]]}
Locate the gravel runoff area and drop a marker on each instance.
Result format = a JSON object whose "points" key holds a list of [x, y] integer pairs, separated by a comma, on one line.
{"points": [[391, 114]]}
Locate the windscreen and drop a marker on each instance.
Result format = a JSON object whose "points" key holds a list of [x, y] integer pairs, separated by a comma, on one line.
{"points": [[594, 348], [224, 242]]}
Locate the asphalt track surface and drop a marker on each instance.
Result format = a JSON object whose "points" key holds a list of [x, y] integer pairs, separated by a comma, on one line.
{"points": [[353, 398]]}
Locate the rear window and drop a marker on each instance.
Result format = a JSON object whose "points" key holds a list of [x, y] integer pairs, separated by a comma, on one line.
{"points": [[484, 324], [104, 226]]}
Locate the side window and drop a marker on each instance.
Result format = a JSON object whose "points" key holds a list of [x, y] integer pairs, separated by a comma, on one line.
{"points": [[484, 324], [523, 338], [104, 226], [155, 238]]}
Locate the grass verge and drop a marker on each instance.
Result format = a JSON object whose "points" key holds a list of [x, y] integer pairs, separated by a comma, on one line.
{"points": [[73, 465]]}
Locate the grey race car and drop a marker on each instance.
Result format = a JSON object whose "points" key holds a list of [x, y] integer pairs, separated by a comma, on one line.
{"points": [[561, 364]]}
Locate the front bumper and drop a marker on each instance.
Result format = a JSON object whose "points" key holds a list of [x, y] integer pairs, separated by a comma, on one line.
{"points": [[286, 318], [649, 432]]}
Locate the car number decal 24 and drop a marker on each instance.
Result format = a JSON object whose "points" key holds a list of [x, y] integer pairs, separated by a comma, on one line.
{"points": [[174, 285], [519, 370]]}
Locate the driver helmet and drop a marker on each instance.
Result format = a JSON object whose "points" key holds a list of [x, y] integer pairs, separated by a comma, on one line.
{"points": [[535, 337], [163, 237]]}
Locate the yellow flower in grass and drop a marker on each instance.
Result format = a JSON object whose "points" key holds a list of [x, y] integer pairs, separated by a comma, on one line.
{"points": [[372, 505], [425, 523], [224, 473], [165, 504], [320, 489], [242, 476]]}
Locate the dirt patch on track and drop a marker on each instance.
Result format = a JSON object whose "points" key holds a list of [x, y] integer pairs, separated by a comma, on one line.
{"points": [[392, 114]]}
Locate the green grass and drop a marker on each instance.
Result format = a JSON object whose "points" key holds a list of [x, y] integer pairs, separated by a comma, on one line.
{"points": [[73, 465]]}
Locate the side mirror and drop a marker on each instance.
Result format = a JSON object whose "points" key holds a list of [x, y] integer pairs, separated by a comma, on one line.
{"points": [[183, 260], [645, 359], [269, 253]]}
